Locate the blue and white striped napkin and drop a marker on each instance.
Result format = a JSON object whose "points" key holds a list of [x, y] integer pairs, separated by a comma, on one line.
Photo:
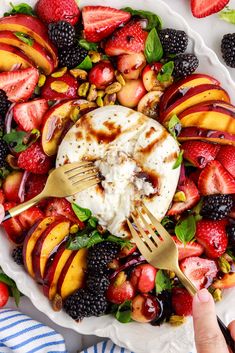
{"points": [[21, 334]]}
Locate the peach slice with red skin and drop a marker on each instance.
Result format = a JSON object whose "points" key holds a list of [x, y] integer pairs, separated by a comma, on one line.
{"points": [[72, 276], [32, 27], [195, 133], [29, 243], [47, 243], [194, 96], [227, 281], [179, 88], [54, 270], [36, 52], [11, 57], [207, 116]]}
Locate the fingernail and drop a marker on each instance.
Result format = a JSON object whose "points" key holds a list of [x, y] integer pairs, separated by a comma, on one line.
{"points": [[203, 295]]}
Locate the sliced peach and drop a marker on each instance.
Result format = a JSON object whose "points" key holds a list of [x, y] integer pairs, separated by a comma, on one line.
{"points": [[73, 274], [54, 270], [131, 65], [180, 88], [131, 93], [11, 57], [227, 281], [36, 52], [206, 116], [32, 27], [48, 242], [196, 95], [195, 133], [148, 104], [30, 241]]}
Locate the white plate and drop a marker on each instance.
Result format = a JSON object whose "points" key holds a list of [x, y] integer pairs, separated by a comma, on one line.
{"points": [[140, 338]]}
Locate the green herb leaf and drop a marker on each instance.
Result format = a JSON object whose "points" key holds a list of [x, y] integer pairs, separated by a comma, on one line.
{"points": [[93, 221], [166, 72], [4, 172], [24, 38], [185, 230], [231, 254], [14, 291], [153, 47], [16, 295], [120, 241], [88, 45], [123, 313], [179, 160], [153, 19], [78, 242], [20, 8], [162, 282], [86, 64], [95, 239], [166, 220], [16, 139], [228, 15], [7, 280], [174, 123], [83, 214]]}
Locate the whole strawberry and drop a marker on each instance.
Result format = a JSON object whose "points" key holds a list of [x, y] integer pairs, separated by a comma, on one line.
{"points": [[34, 160], [212, 235], [181, 302], [58, 10]]}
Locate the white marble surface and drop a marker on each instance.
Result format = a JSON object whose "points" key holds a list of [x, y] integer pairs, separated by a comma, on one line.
{"points": [[211, 29]]}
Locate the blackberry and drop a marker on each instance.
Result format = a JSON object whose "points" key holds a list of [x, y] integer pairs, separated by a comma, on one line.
{"points": [[72, 56], [2, 127], [217, 207], [85, 304], [100, 255], [97, 283], [184, 65], [173, 41], [231, 234], [4, 103], [228, 49], [17, 255], [62, 34], [3, 153]]}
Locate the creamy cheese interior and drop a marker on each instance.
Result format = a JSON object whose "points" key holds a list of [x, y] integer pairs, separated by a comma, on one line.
{"points": [[135, 156]]}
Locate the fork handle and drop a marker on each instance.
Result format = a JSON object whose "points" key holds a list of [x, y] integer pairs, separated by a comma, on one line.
{"points": [[186, 282], [22, 207]]}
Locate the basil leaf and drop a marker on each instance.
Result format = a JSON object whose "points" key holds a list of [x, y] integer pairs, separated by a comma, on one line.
{"points": [[86, 64], [179, 160], [16, 139], [88, 45], [83, 214], [166, 220], [123, 313], [228, 15], [78, 242], [93, 222], [7, 280], [231, 254], [16, 295], [14, 291], [162, 282], [185, 230], [153, 19], [166, 72], [174, 126], [20, 8], [24, 38], [120, 241], [153, 47]]}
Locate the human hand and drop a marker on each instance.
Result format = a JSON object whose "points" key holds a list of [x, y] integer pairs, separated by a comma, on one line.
{"points": [[208, 337]]}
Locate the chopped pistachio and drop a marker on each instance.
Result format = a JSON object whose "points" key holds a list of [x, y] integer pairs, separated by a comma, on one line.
{"points": [[61, 72], [179, 197], [176, 320]]}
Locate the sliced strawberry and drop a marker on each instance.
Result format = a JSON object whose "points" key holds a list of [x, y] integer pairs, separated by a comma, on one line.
{"points": [[181, 301], [34, 185], [11, 186], [190, 249], [192, 197], [100, 21], [13, 227], [129, 39], [215, 179], [28, 116], [194, 176], [30, 217], [71, 87], [213, 236], [226, 157], [19, 85], [2, 197], [34, 160], [58, 10], [200, 271], [57, 206], [199, 153], [203, 8]]}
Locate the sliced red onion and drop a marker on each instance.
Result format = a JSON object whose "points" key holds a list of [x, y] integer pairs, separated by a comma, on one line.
{"points": [[2, 213], [21, 192], [8, 119], [16, 67], [132, 262], [182, 175]]}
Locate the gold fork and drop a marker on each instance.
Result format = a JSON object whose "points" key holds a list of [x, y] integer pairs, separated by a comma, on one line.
{"points": [[162, 253], [63, 181]]}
